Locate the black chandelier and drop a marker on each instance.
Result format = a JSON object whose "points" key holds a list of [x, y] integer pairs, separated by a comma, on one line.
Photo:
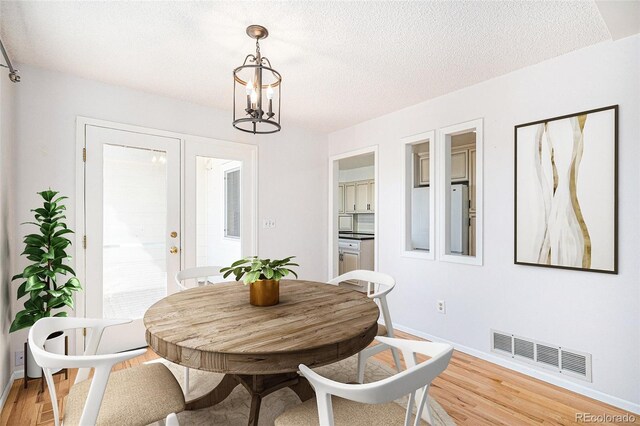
{"points": [[257, 82]]}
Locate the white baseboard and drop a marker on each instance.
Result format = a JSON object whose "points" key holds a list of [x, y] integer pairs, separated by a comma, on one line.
{"points": [[5, 392], [540, 375]]}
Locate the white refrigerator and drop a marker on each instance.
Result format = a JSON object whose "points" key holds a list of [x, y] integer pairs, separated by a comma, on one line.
{"points": [[459, 215], [459, 218], [420, 218]]}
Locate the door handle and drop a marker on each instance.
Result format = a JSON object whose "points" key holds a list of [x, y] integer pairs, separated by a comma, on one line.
{"points": [[173, 250]]}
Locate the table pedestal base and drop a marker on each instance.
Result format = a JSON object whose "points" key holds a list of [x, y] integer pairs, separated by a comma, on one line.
{"points": [[258, 386]]}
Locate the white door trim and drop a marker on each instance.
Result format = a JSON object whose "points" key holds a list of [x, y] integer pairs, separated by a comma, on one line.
{"points": [[333, 209], [77, 340]]}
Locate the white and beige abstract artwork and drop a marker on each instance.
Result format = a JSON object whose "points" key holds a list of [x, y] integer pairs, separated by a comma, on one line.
{"points": [[566, 198]]}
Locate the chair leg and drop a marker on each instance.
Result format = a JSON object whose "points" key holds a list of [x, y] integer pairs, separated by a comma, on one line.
{"points": [[171, 420], [325, 408], [186, 380], [362, 361], [396, 358]]}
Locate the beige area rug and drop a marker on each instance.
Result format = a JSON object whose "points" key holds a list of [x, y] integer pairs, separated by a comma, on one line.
{"points": [[235, 409]]}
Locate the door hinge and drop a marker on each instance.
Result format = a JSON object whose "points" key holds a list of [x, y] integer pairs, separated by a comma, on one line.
{"points": [[84, 242], [84, 332], [84, 155]]}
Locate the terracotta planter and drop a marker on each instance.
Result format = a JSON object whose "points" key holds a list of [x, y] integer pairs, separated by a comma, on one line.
{"points": [[264, 293]]}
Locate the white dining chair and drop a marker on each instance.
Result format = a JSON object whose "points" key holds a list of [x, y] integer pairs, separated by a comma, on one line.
{"points": [[199, 276], [134, 396], [378, 286], [346, 408]]}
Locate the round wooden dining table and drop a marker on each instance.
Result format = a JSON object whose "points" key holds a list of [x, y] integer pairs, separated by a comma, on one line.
{"points": [[214, 328]]}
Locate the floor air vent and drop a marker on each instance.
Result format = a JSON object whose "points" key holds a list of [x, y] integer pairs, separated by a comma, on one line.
{"points": [[562, 360], [548, 355], [524, 348], [502, 342], [574, 362]]}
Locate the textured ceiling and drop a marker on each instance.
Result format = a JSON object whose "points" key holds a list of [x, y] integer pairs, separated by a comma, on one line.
{"points": [[341, 62]]}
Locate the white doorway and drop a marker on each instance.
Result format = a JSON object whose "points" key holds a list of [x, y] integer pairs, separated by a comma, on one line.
{"points": [[353, 211], [154, 203]]}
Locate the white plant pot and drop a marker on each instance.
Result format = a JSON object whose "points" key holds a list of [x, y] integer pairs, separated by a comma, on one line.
{"points": [[33, 369], [54, 345]]}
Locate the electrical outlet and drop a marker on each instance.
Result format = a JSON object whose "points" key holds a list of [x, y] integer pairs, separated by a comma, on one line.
{"points": [[19, 358], [268, 223], [441, 307]]}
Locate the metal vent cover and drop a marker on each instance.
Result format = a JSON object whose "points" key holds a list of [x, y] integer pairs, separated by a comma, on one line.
{"points": [[502, 342], [548, 355], [562, 360], [524, 348], [575, 363]]}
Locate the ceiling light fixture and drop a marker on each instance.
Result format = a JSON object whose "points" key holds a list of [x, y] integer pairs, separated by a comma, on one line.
{"points": [[258, 94]]}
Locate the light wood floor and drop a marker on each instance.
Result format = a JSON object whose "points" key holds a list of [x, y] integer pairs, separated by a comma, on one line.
{"points": [[472, 391]]}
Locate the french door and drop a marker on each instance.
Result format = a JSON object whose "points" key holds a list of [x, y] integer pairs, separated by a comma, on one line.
{"points": [[132, 221], [155, 204]]}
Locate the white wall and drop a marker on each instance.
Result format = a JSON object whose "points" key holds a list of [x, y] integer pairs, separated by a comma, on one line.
{"points": [[595, 313], [292, 163], [7, 105]]}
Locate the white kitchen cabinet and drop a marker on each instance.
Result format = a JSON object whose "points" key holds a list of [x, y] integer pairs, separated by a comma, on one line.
{"points": [[459, 165], [354, 254], [362, 196], [356, 197], [350, 262], [341, 198], [345, 222], [349, 197], [423, 168], [365, 201]]}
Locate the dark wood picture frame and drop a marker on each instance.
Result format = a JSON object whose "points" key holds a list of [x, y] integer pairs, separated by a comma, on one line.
{"points": [[615, 109]]}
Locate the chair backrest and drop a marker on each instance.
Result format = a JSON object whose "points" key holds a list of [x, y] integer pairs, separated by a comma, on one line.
{"points": [[415, 380], [197, 274], [101, 364], [379, 284]]}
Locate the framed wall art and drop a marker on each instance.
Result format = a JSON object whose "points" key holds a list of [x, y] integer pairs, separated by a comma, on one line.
{"points": [[566, 191]]}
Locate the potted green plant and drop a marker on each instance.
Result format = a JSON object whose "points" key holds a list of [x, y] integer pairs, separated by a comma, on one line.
{"points": [[47, 282], [263, 277]]}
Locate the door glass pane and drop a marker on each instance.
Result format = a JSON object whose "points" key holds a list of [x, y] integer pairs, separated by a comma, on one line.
{"points": [[218, 211], [232, 203], [135, 230]]}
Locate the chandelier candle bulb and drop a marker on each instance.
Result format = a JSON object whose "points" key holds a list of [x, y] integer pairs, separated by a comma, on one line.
{"points": [[270, 97], [248, 89], [254, 100]]}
